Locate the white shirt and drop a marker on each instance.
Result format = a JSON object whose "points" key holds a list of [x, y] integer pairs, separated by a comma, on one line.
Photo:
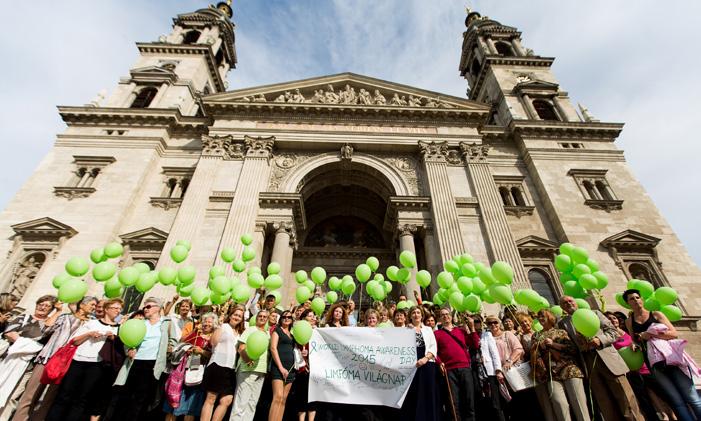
{"points": [[88, 351], [224, 353], [490, 354]]}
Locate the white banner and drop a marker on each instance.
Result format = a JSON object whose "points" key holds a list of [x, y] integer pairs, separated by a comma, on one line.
{"points": [[361, 365]]}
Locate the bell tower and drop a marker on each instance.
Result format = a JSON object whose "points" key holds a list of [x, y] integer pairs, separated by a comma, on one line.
{"points": [[513, 79], [175, 71]]}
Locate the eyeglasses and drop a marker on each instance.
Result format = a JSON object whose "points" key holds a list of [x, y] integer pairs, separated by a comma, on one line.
{"points": [[115, 308], [286, 317], [492, 323], [146, 307]]}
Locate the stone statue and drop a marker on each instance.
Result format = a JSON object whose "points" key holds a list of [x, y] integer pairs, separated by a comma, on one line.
{"points": [[280, 98], [331, 96], [347, 96], [443, 104], [379, 99], [364, 97], [288, 96], [432, 103], [395, 100], [297, 97], [246, 99], [260, 98], [24, 275], [403, 102], [318, 97], [414, 102], [346, 152]]}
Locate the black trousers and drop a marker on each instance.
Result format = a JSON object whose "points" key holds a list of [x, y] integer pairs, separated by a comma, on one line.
{"points": [[463, 392], [77, 386], [137, 393]]}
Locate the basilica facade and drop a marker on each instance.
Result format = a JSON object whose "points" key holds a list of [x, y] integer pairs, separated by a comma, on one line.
{"points": [[330, 170]]}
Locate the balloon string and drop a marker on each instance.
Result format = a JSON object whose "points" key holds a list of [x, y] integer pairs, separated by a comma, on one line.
{"points": [[591, 399], [602, 300]]}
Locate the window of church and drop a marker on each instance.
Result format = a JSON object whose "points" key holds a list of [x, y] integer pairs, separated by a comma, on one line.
{"points": [[144, 98], [82, 181], [504, 49], [596, 190], [192, 37], [513, 195], [176, 181], [545, 110], [542, 281]]}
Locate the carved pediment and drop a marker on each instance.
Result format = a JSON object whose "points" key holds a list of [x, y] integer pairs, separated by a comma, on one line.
{"points": [[153, 74], [528, 85], [536, 246], [346, 90], [43, 229], [145, 239], [630, 239]]}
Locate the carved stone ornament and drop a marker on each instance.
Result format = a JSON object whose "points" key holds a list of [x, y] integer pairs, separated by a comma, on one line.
{"points": [[286, 161], [605, 205], [71, 193], [346, 152], [519, 211], [474, 152], [453, 157], [406, 229], [403, 164], [221, 146], [433, 150], [259, 147], [166, 203], [284, 227]]}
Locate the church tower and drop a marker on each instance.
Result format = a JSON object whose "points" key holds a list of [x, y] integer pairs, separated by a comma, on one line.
{"points": [[175, 71]]}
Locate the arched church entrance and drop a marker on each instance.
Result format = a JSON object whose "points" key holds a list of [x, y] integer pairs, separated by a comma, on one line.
{"points": [[346, 212]]}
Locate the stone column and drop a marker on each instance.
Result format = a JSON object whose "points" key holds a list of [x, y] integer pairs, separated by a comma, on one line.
{"points": [[282, 254], [155, 103], [444, 212], [518, 47], [560, 109], [259, 242], [433, 264], [252, 180], [492, 46], [528, 106], [405, 232], [501, 241]]}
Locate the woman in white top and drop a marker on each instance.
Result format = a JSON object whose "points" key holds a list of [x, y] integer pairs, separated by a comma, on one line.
{"points": [[219, 374], [491, 361], [422, 401], [82, 383]]}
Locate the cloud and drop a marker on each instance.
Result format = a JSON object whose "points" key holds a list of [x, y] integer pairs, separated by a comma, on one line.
{"points": [[628, 61]]}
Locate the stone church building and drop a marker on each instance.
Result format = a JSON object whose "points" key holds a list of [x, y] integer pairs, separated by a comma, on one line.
{"points": [[330, 170]]}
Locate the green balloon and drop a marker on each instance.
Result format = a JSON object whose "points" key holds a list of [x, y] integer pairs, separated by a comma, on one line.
{"points": [[186, 275], [178, 254], [564, 277], [487, 277], [184, 243], [146, 281], [579, 255], [582, 303], [567, 249], [469, 270], [302, 294], [651, 304], [588, 281], [372, 287], [403, 275], [379, 277], [363, 272], [445, 279], [465, 284], [602, 280], [310, 284], [387, 286], [220, 285], [444, 293], [200, 295], [248, 254], [392, 273], [142, 267], [487, 297], [580, 269], [257, 345], [254, 269], [646, 288], [673, 313], [634, 359], [218, 299], [335, 283], [301, 276], [113, 250], [437, 300], [318, 275], [666, 295], [536, 326], [318, 305], [246, 239], [277, 295], [501, 293], [273, 281], [185, 290], [621, 302], [331, 297], [103, 271], [573, 289], [228, 254], [60, 279], [423, 278], [238, 265], [255, 280], [472, 303], [455, 300], [503, 272], [302, 331], [273, 268], [556, 310], [478, 286], [348, 287], [167, 276], [114, 292], [128, 276], [373, 263], [529, 297], [407, 259], [385, 325], [466, 258], [632, 283], [72, 291], [563, 263], [77, 266], [593, 265], [403, 305], [451, 266], [241, 293], [132, 332], [215, 271], [586, 322], [97, 255]]}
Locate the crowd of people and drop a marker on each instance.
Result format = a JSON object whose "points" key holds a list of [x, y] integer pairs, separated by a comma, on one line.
{"points": [[193, 363]]}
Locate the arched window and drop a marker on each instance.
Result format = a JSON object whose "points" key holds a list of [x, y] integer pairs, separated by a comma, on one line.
{"points": [[505, 196], [642, 272], [132, 297], [518, 197], [184, 184], [219, 58], [475, 67], [504, 49], [541, 283], [191, 37], [545, 110], [603, 191], [171, 185], [25, 272], [144, 97]]}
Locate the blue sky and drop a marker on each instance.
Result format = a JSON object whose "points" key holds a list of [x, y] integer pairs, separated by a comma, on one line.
{"points": [[631, 61]]}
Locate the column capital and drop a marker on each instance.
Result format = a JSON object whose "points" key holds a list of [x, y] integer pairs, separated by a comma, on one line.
{"points": [[474, 152], [434, 151], [225, 147], [406, 229], [259, 147], [284, 227]]}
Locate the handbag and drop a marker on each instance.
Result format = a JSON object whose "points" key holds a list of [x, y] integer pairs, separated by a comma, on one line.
{"points": [[519, 377], [174, 384], [58, 364], [195, 371]]}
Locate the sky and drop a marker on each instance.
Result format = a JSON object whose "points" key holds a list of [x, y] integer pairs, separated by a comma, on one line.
{"points": [[630, 61]]}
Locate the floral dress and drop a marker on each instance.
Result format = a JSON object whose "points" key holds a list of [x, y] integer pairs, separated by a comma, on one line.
{"points": [[551, 364]]}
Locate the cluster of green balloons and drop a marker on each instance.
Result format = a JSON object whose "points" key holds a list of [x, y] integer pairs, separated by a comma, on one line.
{"points": [[660, 299], [578, 272], [306, 287], [402, 275]]}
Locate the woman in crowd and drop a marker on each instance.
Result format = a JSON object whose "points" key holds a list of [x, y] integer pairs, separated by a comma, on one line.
{"points": [[383, 315], [487, 382], [282, 350], [526, 332], [372, 318], [250, 374], [7, 303], [639, 379], [677, 384], [510, 353], [66, 325], [181, 318], [422, 401], [191, 348], [399, 318], [25, 331], [141, 372], [336, 316], [305, 410], [430, 321], [219, 375], [83, 383], [560, 379], [508, 324]]}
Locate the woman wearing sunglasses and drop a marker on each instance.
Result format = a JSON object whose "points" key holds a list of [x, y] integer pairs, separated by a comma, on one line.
{"points": [[282, 347]]}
